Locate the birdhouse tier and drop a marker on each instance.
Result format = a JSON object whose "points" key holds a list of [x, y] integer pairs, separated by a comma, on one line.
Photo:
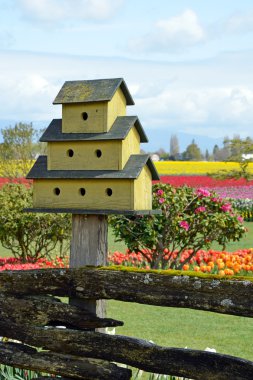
{"points": [[104, 151], [118, 131], [88, 191], [92, 105]]}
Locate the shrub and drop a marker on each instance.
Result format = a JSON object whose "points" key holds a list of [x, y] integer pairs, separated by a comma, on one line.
{"points": [[29, 236], [190, 219]]}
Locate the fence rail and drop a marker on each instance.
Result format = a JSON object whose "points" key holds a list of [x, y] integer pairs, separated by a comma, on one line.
{"points": [[29, 313]]}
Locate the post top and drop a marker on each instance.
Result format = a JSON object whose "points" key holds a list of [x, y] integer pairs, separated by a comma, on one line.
{"points": [[87, 91]]}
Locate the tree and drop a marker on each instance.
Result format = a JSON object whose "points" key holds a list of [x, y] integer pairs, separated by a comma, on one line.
{"points": [[174, 146], [241, 152], [190, 219], [30, 236], [192, 152], [18, 150], [216, 150], [207, 155]]}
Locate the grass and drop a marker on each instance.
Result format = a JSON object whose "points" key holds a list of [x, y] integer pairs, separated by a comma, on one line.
{"points": [[173, 327]]}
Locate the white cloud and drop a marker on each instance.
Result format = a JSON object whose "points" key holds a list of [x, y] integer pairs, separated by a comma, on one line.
{"points": [[6, 39], [185, 28], [61, 10], [177, 33], [240, 22], [214, 106], [203, 97]]}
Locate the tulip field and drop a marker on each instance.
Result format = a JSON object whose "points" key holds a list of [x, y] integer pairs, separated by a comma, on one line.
{"points": [[195, 167]]}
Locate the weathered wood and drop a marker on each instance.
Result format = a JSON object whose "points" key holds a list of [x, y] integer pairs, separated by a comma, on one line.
{"points": [[50, 311], [222, 295], [89, 240], [89, 246], [135, 352], [21, 356]]}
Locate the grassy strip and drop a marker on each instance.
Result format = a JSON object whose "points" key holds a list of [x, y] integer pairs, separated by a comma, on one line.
{"points": [[173, 327]]}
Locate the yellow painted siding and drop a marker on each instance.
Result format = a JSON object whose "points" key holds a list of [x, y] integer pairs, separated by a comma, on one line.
{"points": [[96, 194], [99, 115], [143, 190], [73, 117], [116, 107], [131, 145], [88, 155]]}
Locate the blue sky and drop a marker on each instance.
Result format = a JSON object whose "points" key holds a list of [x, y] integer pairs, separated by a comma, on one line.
{"points": [[188, 64]]}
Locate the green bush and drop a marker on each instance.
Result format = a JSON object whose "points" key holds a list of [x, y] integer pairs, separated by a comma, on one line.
{"points": [[191, 219], [30, 236]]}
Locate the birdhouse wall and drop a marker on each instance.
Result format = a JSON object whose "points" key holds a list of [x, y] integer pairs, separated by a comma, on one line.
{"points": [[89, 155], [95, 117], [143, 190], [131, 145], [93, 155], [84, 194], [116, 107], [84, 117]]}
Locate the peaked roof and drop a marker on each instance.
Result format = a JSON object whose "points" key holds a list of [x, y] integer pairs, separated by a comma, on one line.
{"points": [[86, 91], [118, 131], [132, 170]]}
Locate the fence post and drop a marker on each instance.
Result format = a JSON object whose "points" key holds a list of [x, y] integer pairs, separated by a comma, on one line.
{"points": [[89, 246]]}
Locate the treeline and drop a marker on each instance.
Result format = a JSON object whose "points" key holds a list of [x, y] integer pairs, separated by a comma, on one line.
{"points": [[20, 144], [232, 149]]}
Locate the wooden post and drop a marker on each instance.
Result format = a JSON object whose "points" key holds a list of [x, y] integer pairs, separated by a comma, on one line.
{"points": [[89, 246]]}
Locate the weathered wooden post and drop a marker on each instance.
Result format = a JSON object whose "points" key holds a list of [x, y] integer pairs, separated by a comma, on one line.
{"points": [[93, 167]]}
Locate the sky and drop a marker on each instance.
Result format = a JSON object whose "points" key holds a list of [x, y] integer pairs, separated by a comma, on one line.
{"points": [[188, 64]]}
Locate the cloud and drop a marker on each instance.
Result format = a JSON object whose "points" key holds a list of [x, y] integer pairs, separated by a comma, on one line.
{"points": [[222, 109], [6, 40], [176, 33], [240, 22], [209, 98], [61, 10]]}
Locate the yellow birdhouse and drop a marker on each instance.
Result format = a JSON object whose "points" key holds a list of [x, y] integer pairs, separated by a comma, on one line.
{"points": [[93, 162]]}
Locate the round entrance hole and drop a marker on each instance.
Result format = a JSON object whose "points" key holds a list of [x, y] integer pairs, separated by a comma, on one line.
{"points": [[57, 191], [70, 153], [108, 192], [82, 191], [98, 153], [84, 115]]}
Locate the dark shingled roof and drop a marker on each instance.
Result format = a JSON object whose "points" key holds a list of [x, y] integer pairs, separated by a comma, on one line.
{"points": [[118, 131], [86, 91], [131, 170]]}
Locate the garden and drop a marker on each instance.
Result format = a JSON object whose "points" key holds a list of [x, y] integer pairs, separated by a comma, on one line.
{"points": [[205, 227]]}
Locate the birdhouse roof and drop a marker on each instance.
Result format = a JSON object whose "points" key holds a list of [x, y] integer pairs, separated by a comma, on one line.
{"points": [[132, 170], [87, 91], [118, 131]]}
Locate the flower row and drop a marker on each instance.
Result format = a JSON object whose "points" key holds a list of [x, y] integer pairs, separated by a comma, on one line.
{"points": [[216, 262], [196, 167], [204, 181], [12, 263]]}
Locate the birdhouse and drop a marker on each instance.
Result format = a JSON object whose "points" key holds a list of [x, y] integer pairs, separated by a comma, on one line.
{"points": [[93, 162]]}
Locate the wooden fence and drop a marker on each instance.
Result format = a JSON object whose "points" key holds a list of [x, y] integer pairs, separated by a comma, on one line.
{"points": [[30, 313]]}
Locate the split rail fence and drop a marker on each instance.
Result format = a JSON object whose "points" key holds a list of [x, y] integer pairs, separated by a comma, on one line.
{"points": [[31, 313]]}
